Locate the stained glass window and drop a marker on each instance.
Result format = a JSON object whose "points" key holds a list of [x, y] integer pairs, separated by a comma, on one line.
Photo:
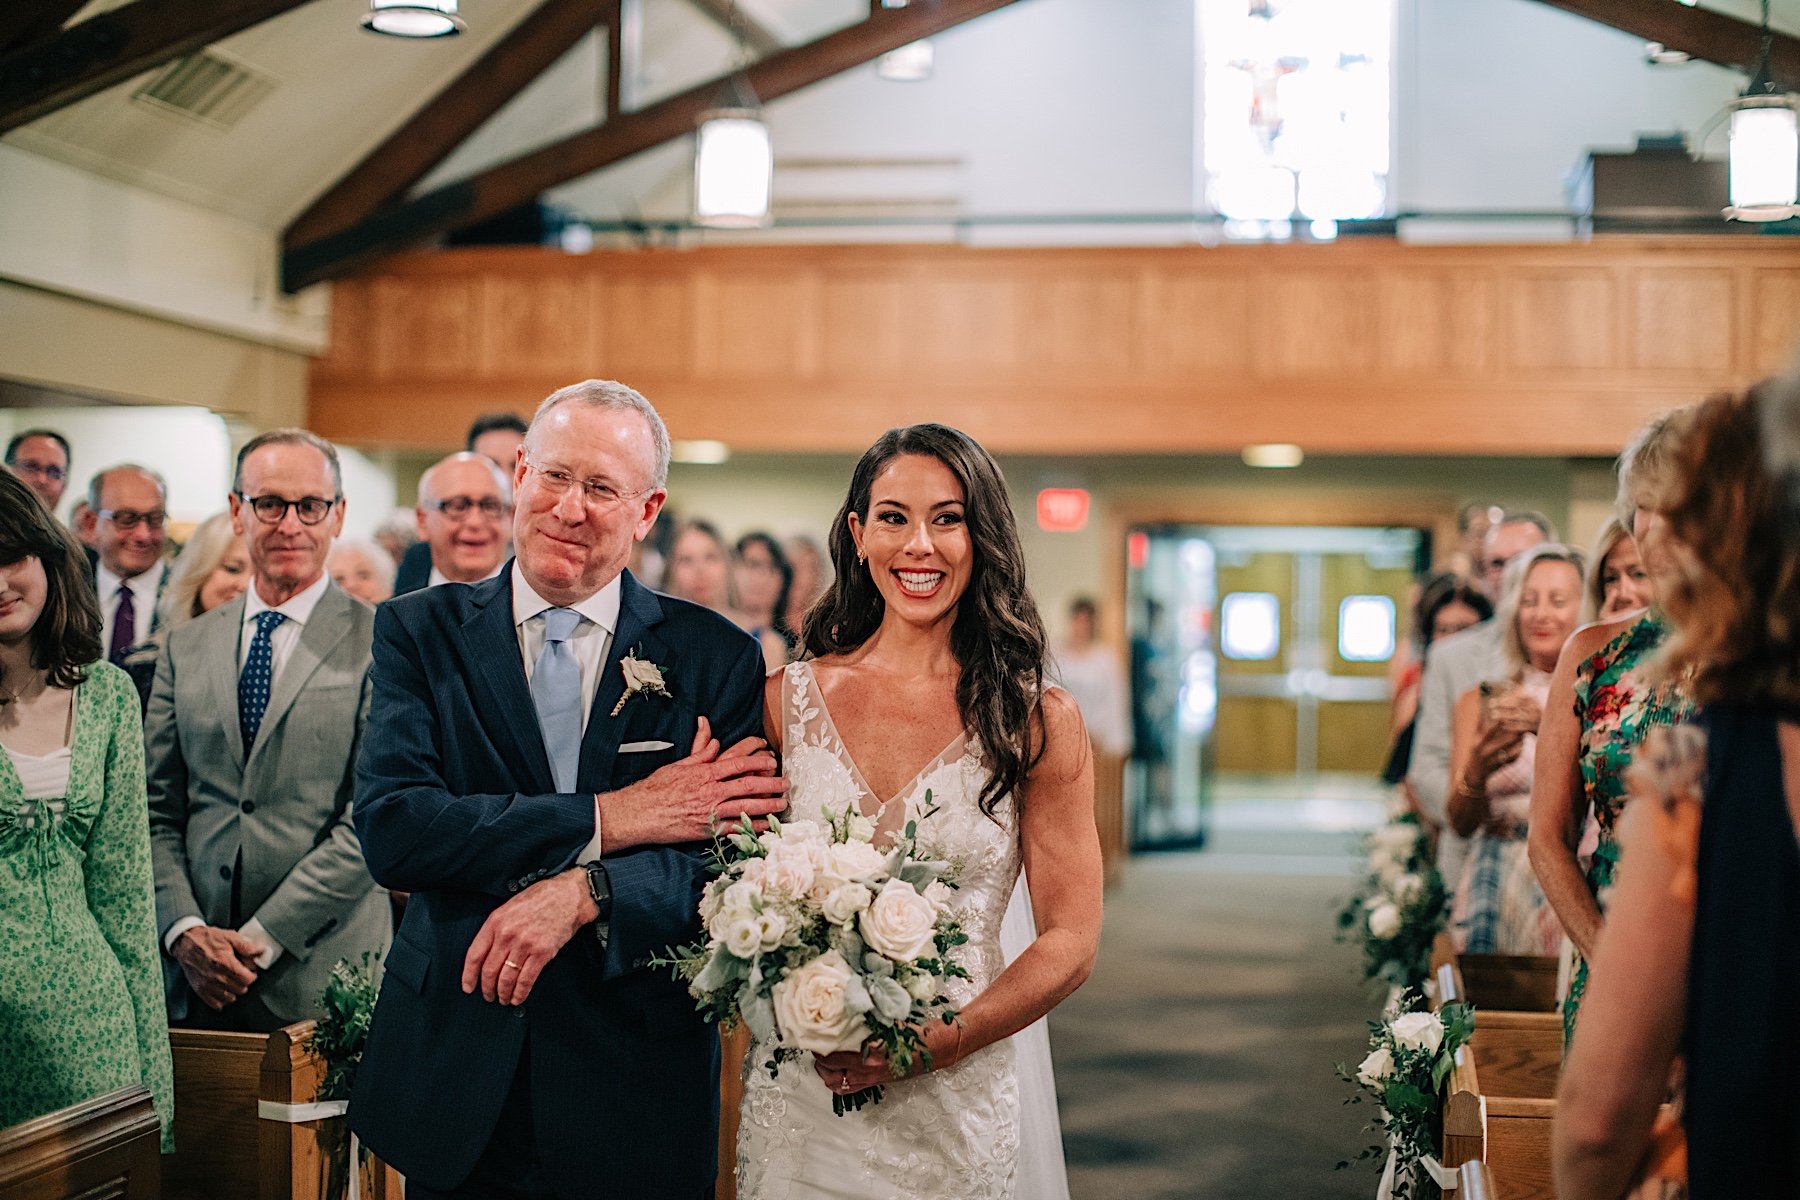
{"points": [[1297, 110]]}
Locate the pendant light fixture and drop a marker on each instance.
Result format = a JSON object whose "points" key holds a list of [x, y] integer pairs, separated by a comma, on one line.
{"points": [[734, 160], [1765, 145], [413, 18]]}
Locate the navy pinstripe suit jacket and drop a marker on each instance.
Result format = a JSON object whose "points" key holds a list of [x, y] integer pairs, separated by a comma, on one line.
{"points": [[455, 804]]}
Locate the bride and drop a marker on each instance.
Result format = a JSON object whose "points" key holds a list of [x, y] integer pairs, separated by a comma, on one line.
{"points": [[924, 678]]}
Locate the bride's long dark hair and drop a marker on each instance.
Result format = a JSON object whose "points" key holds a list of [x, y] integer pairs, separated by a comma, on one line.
{"points": [[997, 638]]}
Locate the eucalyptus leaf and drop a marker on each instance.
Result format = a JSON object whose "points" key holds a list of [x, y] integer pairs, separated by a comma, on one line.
{"points": [[892, 1004], [856, 995], [720, 970], [759, 1014]]}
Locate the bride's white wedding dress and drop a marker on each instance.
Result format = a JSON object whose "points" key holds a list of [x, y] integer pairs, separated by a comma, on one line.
{"points": [[956, 1134]]}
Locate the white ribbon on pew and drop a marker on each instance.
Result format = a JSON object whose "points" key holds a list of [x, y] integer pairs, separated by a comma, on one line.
{"points": [[317, 1110], [1447, 1178]]}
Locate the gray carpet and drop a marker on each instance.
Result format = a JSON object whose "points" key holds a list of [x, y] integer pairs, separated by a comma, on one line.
{"points": [[1197, 1061]]}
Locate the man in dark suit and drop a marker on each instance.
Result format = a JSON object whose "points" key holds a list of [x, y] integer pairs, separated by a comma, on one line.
{"points": [[465, 503], [493, 436], [550, 816]]}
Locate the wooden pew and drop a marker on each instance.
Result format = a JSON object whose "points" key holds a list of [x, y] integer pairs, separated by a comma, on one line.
{"points": [[1109, 813], [1513, 982], [105, 1147], [1475, 1182], [1502, 1099], [226, 1147]]}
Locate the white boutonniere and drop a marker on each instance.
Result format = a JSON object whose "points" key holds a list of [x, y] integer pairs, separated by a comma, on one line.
{"points": [[640, 677]]}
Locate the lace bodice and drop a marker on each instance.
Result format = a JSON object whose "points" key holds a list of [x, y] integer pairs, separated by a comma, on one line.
{"points": [[952, 1133]]}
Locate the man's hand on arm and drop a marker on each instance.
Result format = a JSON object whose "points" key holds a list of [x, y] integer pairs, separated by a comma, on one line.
{"points": [[219, 963]]}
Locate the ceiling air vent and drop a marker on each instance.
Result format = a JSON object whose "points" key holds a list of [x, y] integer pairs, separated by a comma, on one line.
{"points": [[206, 88]]}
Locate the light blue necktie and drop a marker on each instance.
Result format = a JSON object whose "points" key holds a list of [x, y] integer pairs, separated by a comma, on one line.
{"points": [[256, 677], [556, 694]]}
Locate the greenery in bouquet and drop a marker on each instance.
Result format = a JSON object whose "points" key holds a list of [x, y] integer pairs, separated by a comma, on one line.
{"points": [[820, 942], [1400, 906], [1411, 1055], [348, 1002]]}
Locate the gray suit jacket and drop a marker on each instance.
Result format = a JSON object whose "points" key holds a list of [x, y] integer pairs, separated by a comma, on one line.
{"points": [[1452, 666], [281, 820]]}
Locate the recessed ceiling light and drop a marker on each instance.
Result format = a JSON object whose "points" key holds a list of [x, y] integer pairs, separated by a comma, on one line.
{"points": [[703, 451], [1274, 454]]}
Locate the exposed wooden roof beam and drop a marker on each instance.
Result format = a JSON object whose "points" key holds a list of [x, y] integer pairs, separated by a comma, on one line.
{"points": [[522, 179], [23, 22], [1701, 33], [448, 118], [114, 46], [732, 18]]}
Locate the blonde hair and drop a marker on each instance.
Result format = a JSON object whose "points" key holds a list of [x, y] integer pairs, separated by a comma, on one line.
{"points": [[204, 551], [1647, 465], [1593, 589], [1512, 590]]}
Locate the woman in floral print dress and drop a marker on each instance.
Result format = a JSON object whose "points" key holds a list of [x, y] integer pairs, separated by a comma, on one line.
{"points": [[81, 1002], [1602, 706]]}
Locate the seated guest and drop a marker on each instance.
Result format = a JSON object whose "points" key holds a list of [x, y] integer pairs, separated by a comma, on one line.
{"points": [[700, 572], [495, 437], [212, 569], [762, 577], [41, 458], [465, 505], [362, 568], [81, 1010], [1499, 908], [1617, 582], [128, 513], [254, 724], [1700, 954], [1602, 706]]}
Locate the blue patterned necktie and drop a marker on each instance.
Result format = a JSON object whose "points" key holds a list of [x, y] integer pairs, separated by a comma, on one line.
{"points": [[556, 694], [254, 680]]}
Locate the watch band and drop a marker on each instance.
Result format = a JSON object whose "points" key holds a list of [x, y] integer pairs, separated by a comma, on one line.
{"points": [[600, 888]]}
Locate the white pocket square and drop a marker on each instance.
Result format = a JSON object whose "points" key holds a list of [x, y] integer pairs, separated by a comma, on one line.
{"points": [[643, 747]]}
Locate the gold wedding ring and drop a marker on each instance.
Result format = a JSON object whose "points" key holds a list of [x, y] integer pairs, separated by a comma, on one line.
{"points": [[515, 966]]}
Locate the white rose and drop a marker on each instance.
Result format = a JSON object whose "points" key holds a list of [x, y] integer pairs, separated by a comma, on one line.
{"points": [[843, 902], [922, 987], [941, 895], [1375, 1068], [848, 862], [810, 1011], [742, 897], [711, 901], [1406, 888], [750, 870], [804, 833], [772, 927], [1418, 1031], [1398, 838], [789, 870], [860, 828], [1384, 921], [743, 937], [900, 922], [640, 674]]}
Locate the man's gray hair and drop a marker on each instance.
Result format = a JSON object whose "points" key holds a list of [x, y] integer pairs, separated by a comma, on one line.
{"points": [[502, 480], [290, 437], [98, 483], [608, 393]]}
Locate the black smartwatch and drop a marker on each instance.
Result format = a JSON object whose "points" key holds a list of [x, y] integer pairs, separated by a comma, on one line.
{"points": [[600, 888]]}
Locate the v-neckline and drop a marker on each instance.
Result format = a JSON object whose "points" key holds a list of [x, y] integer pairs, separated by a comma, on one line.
{"points": [[957, 743]]}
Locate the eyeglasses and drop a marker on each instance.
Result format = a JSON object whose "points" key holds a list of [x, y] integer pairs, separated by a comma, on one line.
{"points": [[130, 518], [272, 510], [600, 496], [50, 471], [457, 507]]}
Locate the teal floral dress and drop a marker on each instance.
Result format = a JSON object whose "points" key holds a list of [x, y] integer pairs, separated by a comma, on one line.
{"points": [[1617, 708], [81, 996]]}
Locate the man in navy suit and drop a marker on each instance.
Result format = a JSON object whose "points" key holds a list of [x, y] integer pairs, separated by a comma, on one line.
{"points": [[541, 773]]}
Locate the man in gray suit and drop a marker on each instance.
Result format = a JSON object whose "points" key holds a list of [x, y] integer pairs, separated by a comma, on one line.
{"points": [[252, 732], [1453, 666]]}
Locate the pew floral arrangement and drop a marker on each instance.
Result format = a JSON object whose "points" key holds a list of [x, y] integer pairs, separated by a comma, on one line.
{"points": [[1400, 906], [820, 942], [1411, 1054], [347, 1007]]}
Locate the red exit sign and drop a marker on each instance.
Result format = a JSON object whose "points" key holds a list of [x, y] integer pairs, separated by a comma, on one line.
{"points": [[1062, 510]]}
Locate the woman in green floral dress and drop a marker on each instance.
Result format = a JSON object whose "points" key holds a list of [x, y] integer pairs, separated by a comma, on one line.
{"points": [[1609, 700], [81, 1001]]}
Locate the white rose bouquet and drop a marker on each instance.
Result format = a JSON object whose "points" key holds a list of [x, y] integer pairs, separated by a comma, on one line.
{"points": [[1400, 906], [820, 942], [1411, 1053]]}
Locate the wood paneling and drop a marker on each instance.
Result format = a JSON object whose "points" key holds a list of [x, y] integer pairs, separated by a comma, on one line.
{"points": [[1357, 348]]}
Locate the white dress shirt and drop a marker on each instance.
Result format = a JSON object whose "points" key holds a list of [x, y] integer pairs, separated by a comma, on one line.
{"points": [[298, 610], [143, 600], [589, 643]]}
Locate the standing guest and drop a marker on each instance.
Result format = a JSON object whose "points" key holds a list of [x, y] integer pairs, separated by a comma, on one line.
{"points": [[495, 437], [260, 882], [1448, 604], [80, 999], [1603, 704], [1700, 953], [1456, 664], [78, 525], [464, 503], [523, 1044], [41, 458], [1499, 908], [812, 575], [763, 578], [700, 572], [212, 569], [362, 568], [1474, 521], [127, 518], [1617, 582], [1090, 672]]}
